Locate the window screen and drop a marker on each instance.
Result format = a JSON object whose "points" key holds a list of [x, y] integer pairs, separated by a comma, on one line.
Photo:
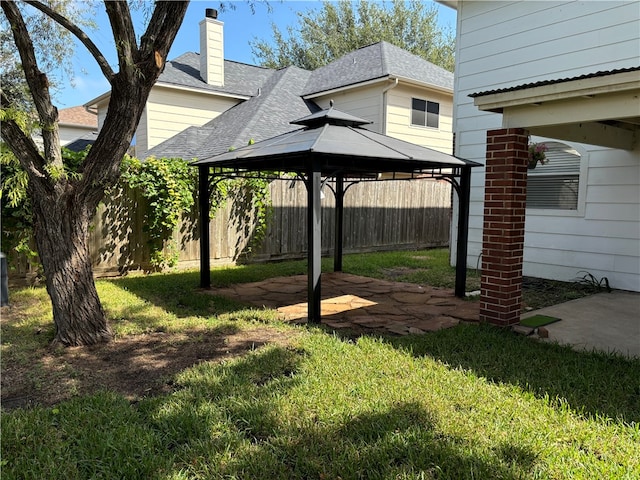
{"points": [[425, 113], [555, 185]]}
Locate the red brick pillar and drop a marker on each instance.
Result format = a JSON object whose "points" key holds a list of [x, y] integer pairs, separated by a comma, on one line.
{"points": [[503, 228]]}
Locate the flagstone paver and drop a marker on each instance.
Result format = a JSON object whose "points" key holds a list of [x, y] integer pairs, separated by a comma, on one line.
{"points": [[360, 303]]}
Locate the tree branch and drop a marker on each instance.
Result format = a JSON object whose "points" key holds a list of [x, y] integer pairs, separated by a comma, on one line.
{"points": [[38, 84], [80, 35], [123, 33], [21, 144], [163, 27], [129, 90]]}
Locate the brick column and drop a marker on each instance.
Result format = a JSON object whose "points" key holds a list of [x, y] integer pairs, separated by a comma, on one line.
{"points": [[503, 228]]}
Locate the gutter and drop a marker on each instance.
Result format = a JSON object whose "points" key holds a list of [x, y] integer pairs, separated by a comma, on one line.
{"points": [[236, 96], [384, 103]]}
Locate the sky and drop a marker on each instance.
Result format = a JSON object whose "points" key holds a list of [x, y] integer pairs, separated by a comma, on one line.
{"points": [[241, 26]]}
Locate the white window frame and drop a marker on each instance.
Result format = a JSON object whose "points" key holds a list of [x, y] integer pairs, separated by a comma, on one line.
{"points": [[540, 172]]}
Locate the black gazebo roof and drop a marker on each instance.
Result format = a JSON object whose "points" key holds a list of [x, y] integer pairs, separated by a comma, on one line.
{"points": [[338, 143], [334, 144]]}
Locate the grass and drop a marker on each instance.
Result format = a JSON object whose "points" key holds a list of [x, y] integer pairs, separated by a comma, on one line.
{"points": [[471, 402]]}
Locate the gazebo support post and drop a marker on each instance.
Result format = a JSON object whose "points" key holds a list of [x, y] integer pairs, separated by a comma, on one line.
{"points": [[204, 202], [339, 217], [463, 231], [314, 239]]}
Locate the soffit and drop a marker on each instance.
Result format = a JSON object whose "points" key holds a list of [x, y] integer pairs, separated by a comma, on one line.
{"points": [[601, 108]]}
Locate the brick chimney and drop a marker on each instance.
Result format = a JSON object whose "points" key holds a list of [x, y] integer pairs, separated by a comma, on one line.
{"points": [[212, 48]]}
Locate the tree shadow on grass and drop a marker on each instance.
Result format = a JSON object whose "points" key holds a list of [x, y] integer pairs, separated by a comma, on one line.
{"points": [[266, 442], [402, 441], [178, 293], [227, 421], [591, 383]]}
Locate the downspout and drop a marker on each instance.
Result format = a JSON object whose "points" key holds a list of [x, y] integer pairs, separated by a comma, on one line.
{"points": [[384, 105]]}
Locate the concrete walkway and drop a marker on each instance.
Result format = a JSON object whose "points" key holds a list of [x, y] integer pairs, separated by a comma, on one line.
{"points": [[608, 322]]}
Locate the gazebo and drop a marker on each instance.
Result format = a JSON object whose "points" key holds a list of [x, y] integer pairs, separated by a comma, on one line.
{"points": [[332, 146]]}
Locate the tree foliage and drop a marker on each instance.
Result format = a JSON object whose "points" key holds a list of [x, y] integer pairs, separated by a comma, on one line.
{"points": [[338, 28], [53, 45]]}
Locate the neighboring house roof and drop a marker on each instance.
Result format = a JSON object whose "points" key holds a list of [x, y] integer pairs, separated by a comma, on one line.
{"points": [[262, 116], [377, 61], [543, 83], [77, 116], [239, 78], [79, 144], [276, 97]]}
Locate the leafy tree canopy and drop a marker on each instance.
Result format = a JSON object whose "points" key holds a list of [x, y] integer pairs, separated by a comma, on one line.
{"points": [[53, 47], [325, 34]]}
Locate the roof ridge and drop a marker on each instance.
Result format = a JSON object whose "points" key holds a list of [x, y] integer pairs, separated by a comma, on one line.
{"points": [[268, 97]]}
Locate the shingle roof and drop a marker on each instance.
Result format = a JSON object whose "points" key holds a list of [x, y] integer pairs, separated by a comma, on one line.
{"points": [[239, 78], [79, 144], [258, 118], [375, 61], [78, 116], [280, 98], [542, 83]]}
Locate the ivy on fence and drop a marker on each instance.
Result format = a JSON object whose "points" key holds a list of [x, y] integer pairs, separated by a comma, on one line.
{"points": [[168, 184]]}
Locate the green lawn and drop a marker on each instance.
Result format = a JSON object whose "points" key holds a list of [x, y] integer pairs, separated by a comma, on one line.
{"points": [[471, 402]]}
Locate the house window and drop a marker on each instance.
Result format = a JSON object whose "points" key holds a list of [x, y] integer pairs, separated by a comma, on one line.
{"points": [[555, 184], [424, 113]]}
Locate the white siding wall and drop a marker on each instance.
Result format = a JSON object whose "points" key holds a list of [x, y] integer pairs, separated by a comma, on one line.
{"points": [[69, 133], [503, 44]]}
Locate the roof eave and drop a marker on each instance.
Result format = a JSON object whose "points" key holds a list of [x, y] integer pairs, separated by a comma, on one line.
{"points": [[419, 83], [78, 125], [366, 83], [449, 3], [205, 91], [99, 99], [407, 80], [95, 101], [584, 87]]}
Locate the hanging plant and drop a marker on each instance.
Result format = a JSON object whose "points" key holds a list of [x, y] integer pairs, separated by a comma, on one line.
{"points": [[537, 154]]}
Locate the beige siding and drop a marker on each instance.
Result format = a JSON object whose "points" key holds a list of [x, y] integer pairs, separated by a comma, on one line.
{"points": [[399, 118], [367, 103], [142, 135], [170, 111], [102, 112], [212, 50], [363, 102]]}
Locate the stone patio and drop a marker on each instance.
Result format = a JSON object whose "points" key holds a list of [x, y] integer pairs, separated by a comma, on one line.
{"points": [[362, 304]]}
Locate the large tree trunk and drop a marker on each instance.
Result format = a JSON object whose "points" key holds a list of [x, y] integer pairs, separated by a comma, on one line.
{"points": [[61, 229], [64, 205]]}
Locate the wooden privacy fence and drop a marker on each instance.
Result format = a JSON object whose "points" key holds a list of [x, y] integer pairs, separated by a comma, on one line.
{"points": [[377, 216]]}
